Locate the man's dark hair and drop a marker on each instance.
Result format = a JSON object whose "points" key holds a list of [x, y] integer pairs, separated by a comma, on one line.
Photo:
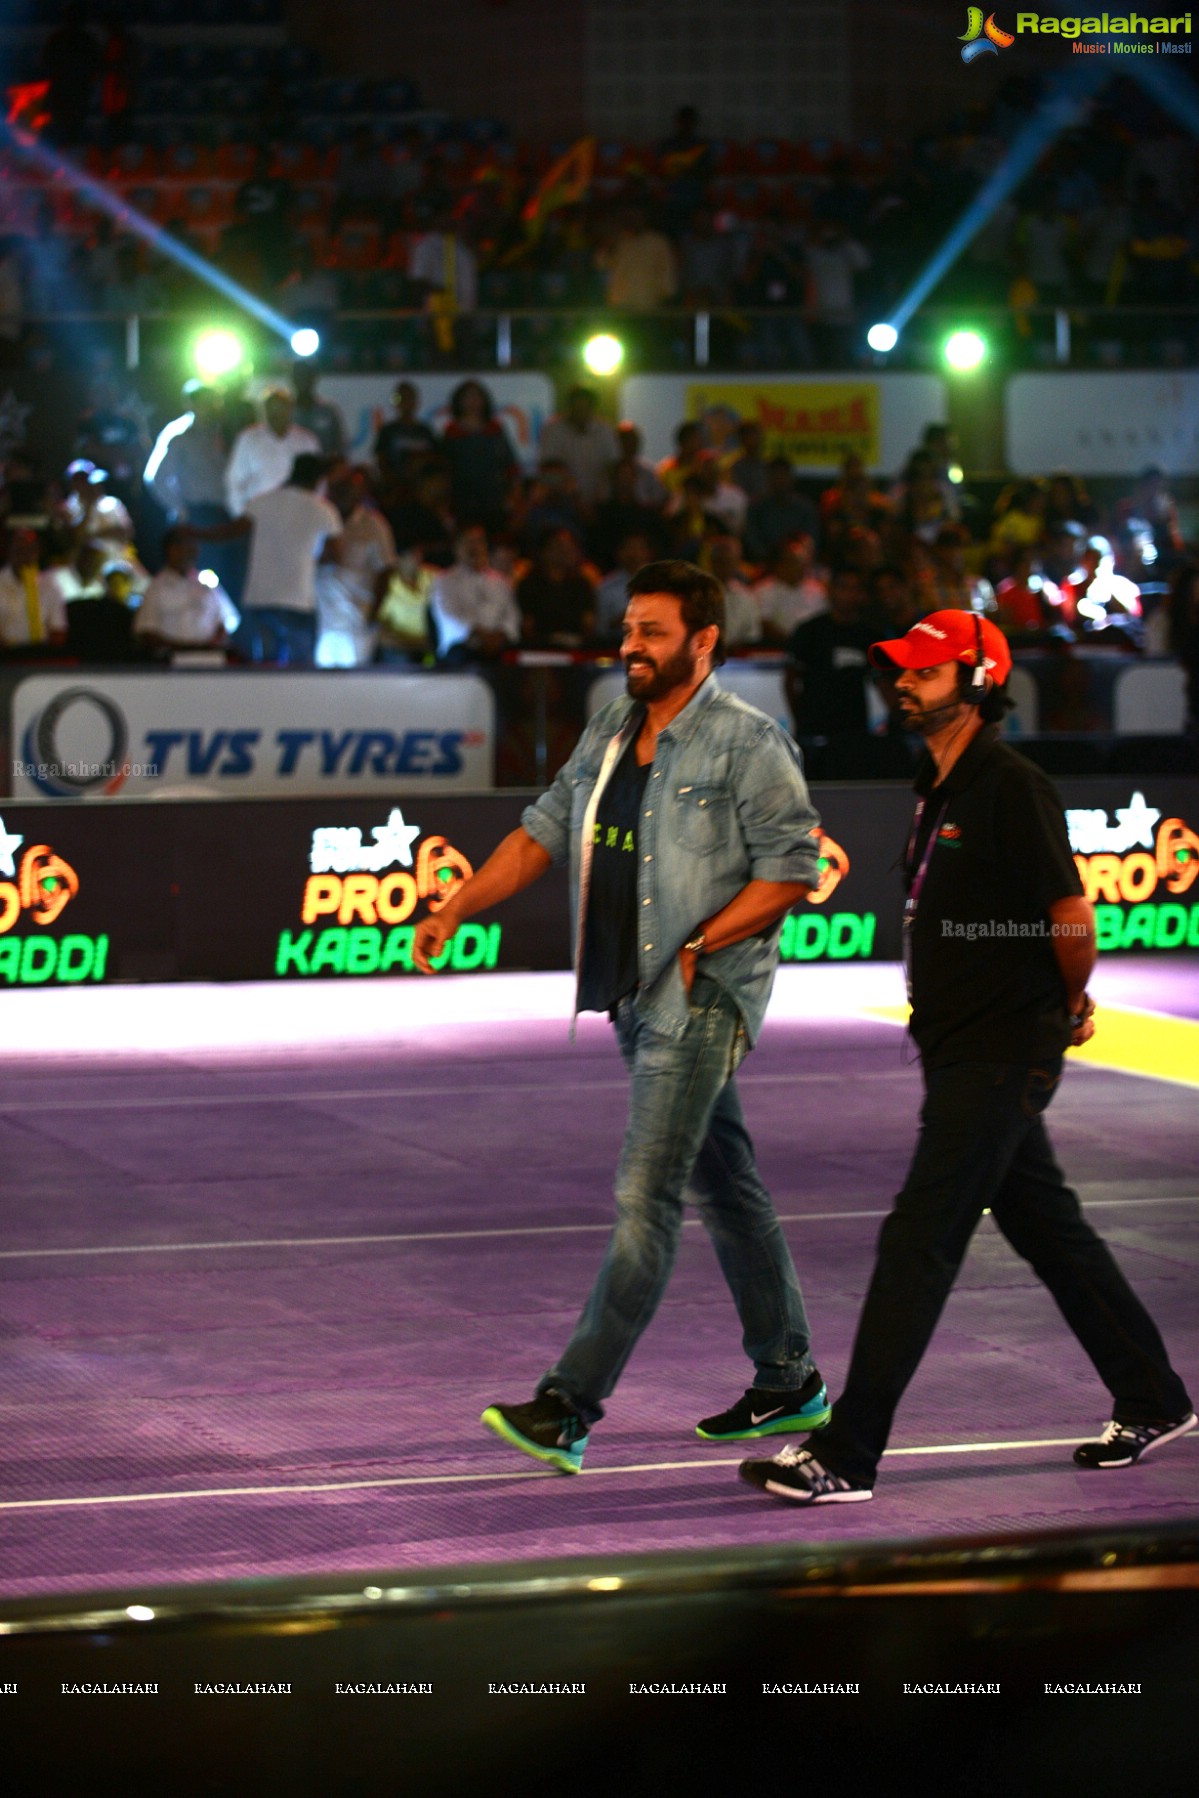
{"points": [[175, 534], [700, 595], [997, 704], [307, 470]]}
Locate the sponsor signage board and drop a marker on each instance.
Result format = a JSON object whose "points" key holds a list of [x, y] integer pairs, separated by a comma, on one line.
{"points": [[523, 403], [266, 889], [815, 422], [1102, 424], [233, 733]]}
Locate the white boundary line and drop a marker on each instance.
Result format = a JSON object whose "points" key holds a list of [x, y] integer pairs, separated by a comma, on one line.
{"points": [[467, 1479], [329, 1242]]}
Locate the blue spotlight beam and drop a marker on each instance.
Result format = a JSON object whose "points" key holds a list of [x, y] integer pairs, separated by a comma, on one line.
{"points": [[1076, 86], [105, 200]]}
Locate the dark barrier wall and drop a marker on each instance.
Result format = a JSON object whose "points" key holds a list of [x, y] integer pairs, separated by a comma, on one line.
{"points": [[296, 889], [975, 1669]]}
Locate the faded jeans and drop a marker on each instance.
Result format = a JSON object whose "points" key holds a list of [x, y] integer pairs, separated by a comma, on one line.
{"points": [[686, 1137]]}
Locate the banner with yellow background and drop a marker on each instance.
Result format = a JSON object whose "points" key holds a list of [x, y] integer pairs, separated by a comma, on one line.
{"points": [[815, 423]]}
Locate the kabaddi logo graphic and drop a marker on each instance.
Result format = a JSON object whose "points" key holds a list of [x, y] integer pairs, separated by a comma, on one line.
{"points": [[1139, 873], [364, 894], [42, 886], [983, 37], [833, 867]]}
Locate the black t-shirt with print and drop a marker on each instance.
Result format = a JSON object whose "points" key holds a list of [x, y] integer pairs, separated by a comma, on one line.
{"points": [[610, 935], [985, 980]]}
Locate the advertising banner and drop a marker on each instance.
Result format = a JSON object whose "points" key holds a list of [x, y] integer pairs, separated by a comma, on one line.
{"points": [[814, 421], [238, 732], [1102, 424], [332, 888], [85, 896], [522, 402]]}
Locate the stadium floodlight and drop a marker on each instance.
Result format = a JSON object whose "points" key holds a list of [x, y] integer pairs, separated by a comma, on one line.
{"points": [[964, 351], [882, 337], [216, 353], [603, 354], [305, 342]]}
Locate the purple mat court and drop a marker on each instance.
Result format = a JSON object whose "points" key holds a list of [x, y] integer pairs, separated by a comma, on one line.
{"points": [[267, 1253]]}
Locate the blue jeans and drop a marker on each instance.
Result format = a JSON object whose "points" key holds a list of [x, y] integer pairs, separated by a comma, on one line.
{"points": [[279, 635], [983, 1143], [686, 1131]]}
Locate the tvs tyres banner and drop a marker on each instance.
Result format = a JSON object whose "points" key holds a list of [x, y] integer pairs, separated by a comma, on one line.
{"points": [[237, 732], [331, 888]]}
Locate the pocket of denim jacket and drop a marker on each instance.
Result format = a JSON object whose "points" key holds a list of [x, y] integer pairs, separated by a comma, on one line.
{"points": [[702, 816]]}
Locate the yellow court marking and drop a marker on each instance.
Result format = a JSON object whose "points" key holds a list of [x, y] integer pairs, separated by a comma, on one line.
{"points": [[1148, 1043]]}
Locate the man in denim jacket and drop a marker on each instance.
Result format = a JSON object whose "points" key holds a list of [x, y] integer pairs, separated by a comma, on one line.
{"points": [[690, 835]]}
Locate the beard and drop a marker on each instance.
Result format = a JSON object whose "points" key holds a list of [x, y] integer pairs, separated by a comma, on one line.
{"points": [[927, 720], [651, 680]]}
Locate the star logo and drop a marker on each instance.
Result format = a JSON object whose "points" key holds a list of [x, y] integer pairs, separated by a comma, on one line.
{"points": [[393, 841], [8, 846], [1134, 823]]}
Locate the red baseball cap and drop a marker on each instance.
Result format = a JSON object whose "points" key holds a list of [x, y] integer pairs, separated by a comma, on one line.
{"points": [[948, 637]]}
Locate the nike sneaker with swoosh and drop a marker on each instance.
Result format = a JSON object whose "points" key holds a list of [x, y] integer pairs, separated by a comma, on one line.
{"points": [[763, 1413]]}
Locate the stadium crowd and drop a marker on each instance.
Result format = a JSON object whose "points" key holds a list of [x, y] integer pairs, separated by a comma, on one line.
{"points": [[253, 536], [378, 208]]}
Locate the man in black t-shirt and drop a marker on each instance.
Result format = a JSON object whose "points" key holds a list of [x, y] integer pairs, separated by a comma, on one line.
{"points": [[999, 944], [827, 677]]}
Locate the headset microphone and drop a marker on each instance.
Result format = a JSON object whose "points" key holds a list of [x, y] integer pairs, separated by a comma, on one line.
{"points": [[976, 692]]}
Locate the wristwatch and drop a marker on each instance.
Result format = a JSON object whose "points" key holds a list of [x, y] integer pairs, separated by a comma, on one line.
{"points": [[697, 943]]}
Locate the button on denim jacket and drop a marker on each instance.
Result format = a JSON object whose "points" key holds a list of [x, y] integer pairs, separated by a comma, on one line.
{"points": [[725, 803]]}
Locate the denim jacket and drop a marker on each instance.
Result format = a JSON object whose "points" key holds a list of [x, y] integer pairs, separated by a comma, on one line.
{"points": [[725, 803]]}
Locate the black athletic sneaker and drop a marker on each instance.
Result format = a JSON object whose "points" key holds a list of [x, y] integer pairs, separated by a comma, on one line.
{"points": [[795, 1473], [546, 1428], [1123, 1443], [763, 1413]]}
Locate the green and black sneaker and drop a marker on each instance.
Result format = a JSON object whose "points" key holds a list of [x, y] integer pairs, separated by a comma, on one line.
{"points": [[547, 1428], [764, 1413]]}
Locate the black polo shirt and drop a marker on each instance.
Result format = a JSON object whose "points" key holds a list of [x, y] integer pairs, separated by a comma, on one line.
{"points": [[985, 981]]}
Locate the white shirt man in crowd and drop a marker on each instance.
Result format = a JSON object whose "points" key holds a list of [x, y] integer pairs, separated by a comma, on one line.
{"points": [[178, 609], [584, 441], [742, 626], [31, 607], [352, 575], [474, 608], [290, 527], [263, 454], [790, 594]]}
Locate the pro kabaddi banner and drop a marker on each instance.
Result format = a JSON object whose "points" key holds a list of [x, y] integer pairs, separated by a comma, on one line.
{"points": [[333, 888]]}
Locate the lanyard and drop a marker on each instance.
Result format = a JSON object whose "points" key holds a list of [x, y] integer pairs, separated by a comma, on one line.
{"points": [[917, 880]]}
